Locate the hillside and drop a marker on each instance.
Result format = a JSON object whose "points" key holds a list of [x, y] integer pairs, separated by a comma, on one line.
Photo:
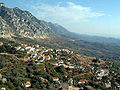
{"points": [[27, 65], [104, 51]]}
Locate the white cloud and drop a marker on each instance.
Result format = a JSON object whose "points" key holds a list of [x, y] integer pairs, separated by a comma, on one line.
{"points": [[69, 13]]}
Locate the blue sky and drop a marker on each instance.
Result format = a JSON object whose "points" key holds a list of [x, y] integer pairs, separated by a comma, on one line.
{"points": [[99, 17]]}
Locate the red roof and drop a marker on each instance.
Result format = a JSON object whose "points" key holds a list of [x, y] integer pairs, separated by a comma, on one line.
{"points": [[82, 80], [27, 83], [47, 56], [40, 52], [0, 74], [37, 45], [70, 79], [1, 43]]}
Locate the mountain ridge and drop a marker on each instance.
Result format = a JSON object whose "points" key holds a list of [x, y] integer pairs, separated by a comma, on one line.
{"points": [[23, 22]]}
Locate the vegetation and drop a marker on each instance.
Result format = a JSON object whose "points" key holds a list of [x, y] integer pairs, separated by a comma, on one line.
{"points": [[17, 71]]}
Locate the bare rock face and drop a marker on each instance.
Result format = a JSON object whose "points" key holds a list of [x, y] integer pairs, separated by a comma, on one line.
{"points": [[5, 29], [16, 21]]}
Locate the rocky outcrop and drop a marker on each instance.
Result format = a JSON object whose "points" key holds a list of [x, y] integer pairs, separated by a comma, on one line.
{"points": [[16, 21]]}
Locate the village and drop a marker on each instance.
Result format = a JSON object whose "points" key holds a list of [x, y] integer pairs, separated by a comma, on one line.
{"points": [[81, 69]]}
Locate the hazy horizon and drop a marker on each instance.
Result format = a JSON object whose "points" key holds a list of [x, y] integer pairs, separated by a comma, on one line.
{"points": [[94, 17]]}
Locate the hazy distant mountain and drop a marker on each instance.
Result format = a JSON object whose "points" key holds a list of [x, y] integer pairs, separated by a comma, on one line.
{"points": [[100, 39], [57, 28], [63, 31]]}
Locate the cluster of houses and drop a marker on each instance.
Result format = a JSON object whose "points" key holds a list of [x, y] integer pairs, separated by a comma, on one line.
{"points": [[61, 63], [41, 54], [101, 72]]}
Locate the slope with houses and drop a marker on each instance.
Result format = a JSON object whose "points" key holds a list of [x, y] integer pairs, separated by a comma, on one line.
{"points": [[67, 69]]}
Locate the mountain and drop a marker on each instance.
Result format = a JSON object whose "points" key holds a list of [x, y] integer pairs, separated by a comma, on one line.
{"points": [[16, 21], [58, 29], [23, 26], [4, 27], [21, 22], [99, 39]]}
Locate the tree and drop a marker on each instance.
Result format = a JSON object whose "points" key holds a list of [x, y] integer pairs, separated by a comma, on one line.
{"points": [[10, 85]]}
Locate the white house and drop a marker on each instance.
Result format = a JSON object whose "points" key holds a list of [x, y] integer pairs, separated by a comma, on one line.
{"points": [[18, 48], [28, 47], [70, 81], [82, 81], [27, 84]]}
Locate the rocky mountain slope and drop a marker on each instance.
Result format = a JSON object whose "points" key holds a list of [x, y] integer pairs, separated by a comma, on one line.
{"points": [[4, 27], [58, 29], [21, 22]]}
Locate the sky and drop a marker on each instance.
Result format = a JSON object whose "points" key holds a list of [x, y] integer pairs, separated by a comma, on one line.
{"points": [[94, 17]]}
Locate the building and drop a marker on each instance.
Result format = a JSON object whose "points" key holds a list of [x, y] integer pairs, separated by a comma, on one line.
{"points": [[69, 66], [102, 72], [0, 76], [3, 88], [118, 85], [32, 49], [33, 55], [46, 57], [55, 79], [98, 77], [60, 61], [18, 48], [70, 81], [43, 79], [22, 49], [1, 43], [82, 81], [28, 47], [37, 45], [73, 88], [108, 85], [4, 80], [27, 84]]}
